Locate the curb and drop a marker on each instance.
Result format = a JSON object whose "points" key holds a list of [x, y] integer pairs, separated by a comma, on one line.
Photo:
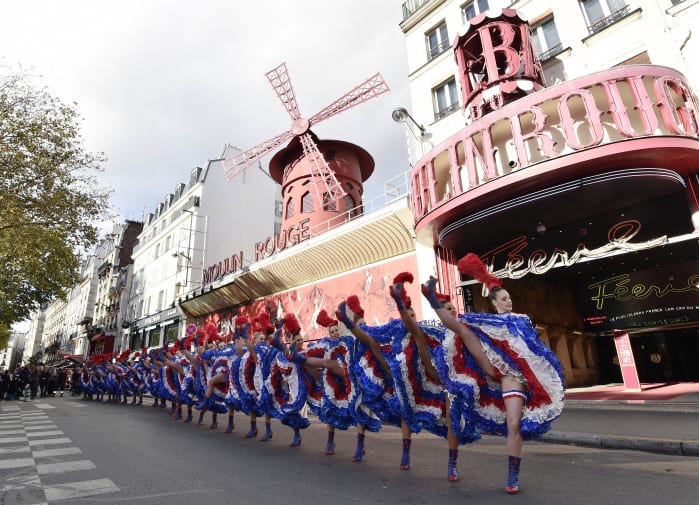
{"points": [[655, 445], [632, 405]]}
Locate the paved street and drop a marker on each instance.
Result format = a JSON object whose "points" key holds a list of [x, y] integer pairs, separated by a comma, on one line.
{"points": [[63, 450]]}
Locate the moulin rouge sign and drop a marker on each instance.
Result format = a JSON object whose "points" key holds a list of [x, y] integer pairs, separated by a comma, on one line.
{"points": [[294, 234], [509, 130]]}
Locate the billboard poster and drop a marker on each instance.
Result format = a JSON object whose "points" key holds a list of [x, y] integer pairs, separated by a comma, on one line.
{"points": [[370, 284], [644, 299]]}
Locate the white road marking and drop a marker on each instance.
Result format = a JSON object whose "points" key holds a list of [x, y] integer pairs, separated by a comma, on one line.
{"points": [[44, 406], [49, 453], [45, 433], [49, 441], [16, 463], [11, 408], [65, 466], [14, 450], [79, 489], [11, 432], [12, 440], [50, 426]]}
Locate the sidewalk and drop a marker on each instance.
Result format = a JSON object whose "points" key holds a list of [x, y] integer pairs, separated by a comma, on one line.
{"points": [[662, 418]]}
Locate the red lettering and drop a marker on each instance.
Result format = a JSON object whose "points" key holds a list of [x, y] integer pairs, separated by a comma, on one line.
{"points": [[544, 142], [679, 119], [571, 126]]}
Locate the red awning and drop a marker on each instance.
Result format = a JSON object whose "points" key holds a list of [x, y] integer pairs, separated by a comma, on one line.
{"points": [[98, 338]]}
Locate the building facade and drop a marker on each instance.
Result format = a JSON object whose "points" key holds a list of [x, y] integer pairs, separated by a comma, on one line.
{"points": [[564, 153], [205, 218]]}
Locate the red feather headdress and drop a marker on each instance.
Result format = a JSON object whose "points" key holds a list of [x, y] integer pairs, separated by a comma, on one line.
{"points": [[354, 306], [325, 320], [472, 265], [292, 324]]}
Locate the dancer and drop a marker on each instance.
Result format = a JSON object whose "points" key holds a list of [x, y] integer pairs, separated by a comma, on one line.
{"points": [[374, 401], [507, 341], [398, 293]]}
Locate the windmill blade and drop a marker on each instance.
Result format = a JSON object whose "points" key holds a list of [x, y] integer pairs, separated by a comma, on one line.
{"points": [[279, 79], [236, 164], [327, 188], [372, 87]]}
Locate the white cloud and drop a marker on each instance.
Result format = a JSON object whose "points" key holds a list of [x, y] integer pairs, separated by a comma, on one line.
{"points": [[163, 85]]}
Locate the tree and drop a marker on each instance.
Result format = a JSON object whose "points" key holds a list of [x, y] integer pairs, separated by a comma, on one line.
{"points": [[49, 196]]}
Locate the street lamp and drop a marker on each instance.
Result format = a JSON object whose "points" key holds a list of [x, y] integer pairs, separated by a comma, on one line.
{"points": [[401, 115]]}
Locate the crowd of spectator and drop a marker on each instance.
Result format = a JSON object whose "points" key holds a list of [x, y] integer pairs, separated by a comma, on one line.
{"points": [[31, 380]]}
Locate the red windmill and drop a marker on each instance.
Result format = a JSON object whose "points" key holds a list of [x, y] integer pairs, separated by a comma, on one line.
{"points": [[326, 185]]}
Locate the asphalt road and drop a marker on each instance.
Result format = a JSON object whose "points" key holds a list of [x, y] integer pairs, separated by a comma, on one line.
{"points": [[63, 450]]}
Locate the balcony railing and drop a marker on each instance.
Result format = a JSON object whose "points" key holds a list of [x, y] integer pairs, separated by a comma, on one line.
{"points": [[609, 20], [435, 51], [447, 111], [547, 55], [411, 6]]}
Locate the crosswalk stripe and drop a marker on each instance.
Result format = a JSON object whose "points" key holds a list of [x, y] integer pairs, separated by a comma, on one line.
{"points": [[49, 441], [15, 463], [14, 450], [45, 433], [43, 420], [44, 406], [11, 432], [79, 489], [11, 408], [66, 466], [49, 453], [46, 426], [12, 440]]}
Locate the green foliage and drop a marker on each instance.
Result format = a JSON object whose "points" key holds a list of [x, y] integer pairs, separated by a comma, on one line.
{"points": [[49, 196], [5, 335]]}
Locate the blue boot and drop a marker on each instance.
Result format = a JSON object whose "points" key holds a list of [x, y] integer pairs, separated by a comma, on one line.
{"points": [[405, 460], [231, 425], [252, 432], [268, 433], [453, 472], [296, 441], [359, 453], [513, 474]]}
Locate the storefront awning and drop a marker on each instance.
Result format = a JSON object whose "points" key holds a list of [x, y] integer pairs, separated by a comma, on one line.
{"points": [[368, 239]]}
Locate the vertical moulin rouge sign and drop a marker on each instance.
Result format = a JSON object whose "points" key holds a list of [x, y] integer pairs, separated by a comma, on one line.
{"points": [[626, 361]]}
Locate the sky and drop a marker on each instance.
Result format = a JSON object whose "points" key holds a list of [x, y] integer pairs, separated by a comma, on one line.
{"points": [[163, 85]]}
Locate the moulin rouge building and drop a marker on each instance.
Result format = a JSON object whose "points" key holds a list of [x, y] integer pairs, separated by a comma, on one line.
{"points": [[583, 196]]}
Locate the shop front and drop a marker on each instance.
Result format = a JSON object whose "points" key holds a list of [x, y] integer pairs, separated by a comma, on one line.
{"points": [[155, 329]]}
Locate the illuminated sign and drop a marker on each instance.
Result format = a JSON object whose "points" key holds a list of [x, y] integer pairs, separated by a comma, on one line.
{"points": [[540, 261]]}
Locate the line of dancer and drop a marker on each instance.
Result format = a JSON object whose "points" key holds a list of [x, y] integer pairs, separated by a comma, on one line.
{"points": [[476, 373]]}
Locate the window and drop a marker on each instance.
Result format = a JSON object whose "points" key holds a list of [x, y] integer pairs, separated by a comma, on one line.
{"points": [[445, 99], [329, 204], [278, 207], [307, 202], [437, 41], [547, 43], [472, 9], [602, 13], [290, 208]]}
